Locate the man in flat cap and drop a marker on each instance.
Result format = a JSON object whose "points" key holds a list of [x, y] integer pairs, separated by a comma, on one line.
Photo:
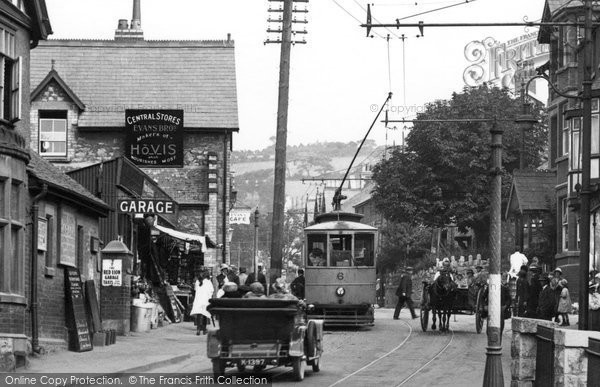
{"points": [[404, 292]]}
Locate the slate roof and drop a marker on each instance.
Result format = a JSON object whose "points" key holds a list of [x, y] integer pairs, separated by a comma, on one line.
{"points": [[532, 190], [551, 8], [110, 76], [363, 196], [60, 182]]}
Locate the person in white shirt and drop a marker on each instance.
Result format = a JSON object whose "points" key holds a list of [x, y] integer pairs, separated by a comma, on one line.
{"points": [[445, 268], [517, 259]]}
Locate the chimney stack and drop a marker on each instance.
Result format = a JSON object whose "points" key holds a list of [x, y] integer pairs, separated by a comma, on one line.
{"points": [[136, 20], [133, 32]]}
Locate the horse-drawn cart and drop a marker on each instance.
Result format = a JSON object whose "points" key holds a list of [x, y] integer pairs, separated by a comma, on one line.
{"points": [[261, 332], [461, 301]]}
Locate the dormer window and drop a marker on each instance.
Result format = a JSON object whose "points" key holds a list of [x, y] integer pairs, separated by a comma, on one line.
{"points": [[53, 133]]}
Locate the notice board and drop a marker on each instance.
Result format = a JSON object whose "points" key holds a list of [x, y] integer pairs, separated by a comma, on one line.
{"points": [[79, 333]]}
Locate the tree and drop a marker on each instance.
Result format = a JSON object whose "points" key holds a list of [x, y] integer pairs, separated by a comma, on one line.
{"points": [[442, 176], [403, 245]]}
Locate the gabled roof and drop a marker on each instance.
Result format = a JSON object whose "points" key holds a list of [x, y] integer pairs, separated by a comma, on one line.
{"points": [[38, 12], [60, 183], [551, 9], [363, 196], [531, 191], [53, 76], [111, 76]]}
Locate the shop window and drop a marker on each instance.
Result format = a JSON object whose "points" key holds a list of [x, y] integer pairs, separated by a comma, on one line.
{"points": [[53, 133], [10, 77]]}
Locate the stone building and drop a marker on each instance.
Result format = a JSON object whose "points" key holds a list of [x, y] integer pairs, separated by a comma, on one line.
{"points": [[22, 25], [83, 90], [565, 72]]}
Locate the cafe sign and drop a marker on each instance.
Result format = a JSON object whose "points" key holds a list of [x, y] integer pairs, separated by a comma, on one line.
{"points": [[154, 138]]}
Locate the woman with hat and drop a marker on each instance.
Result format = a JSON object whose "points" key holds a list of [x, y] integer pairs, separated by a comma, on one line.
{"points": [[564, 304], [278, 290]]}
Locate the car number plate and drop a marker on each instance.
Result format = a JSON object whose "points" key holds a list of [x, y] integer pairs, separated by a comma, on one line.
{"points": [[253, 362]]}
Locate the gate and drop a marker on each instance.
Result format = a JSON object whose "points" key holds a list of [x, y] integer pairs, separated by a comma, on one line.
{"points": [[593, 352], [544, 363]]}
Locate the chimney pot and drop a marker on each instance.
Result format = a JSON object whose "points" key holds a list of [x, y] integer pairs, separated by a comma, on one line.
{"points": [[123, 24]]}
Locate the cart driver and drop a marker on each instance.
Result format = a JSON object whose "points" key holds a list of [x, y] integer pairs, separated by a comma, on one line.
{"points": [[316, 257], [445, 269]]}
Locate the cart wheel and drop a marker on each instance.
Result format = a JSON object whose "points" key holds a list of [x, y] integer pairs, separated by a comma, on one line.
{"points": [[424, 319], [478, 310], [218, 367], [241, 367], [316, 364], [298, 365]]}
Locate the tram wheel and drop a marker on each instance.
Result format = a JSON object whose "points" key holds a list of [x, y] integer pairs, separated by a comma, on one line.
{"points": [[298, 365], [424, 319]]}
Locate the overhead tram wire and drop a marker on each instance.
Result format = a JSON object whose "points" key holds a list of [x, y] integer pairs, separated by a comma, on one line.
{"points": [[438, 9], [354, 17]]}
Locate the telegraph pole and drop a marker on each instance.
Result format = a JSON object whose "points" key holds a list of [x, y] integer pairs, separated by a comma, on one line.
{"points": [[281, 138]]}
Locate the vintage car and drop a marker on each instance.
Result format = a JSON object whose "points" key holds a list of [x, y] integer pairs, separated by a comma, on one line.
{"points": [[263, 332]]}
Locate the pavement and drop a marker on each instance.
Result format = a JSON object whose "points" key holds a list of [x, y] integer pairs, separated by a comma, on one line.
{"points": [[136, 352]]}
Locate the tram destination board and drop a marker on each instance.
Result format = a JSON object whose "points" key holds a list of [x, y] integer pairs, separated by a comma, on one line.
{"points": [[79, 333]]}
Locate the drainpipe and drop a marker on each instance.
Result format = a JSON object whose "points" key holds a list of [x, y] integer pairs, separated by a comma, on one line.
{"points": [[225, 198], [35, 209]]}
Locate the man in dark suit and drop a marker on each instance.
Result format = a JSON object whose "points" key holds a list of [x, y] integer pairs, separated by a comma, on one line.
{"points": [[547, 303], [404, 292], [261, 278], [297, 285], [535, 288]]}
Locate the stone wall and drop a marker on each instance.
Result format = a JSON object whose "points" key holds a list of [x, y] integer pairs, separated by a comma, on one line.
{"points": [[570, 357]]}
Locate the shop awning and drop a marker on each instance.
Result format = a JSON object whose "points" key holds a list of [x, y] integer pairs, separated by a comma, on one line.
{"points": [[203, 240]]}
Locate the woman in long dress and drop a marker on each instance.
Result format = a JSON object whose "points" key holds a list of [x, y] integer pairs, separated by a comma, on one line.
{"points": [[204, 291]]}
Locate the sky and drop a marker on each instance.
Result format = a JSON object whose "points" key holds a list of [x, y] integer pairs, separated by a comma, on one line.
{"points": [[339, 79]]}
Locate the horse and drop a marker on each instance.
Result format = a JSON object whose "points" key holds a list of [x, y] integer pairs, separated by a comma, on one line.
{"points": [[441, 299]]}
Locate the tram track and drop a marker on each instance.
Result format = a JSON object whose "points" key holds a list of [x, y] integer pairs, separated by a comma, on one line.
{"points": [[423, 367]]}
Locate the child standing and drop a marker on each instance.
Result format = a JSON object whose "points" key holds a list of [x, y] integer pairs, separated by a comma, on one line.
{"points": [[564, 304]]}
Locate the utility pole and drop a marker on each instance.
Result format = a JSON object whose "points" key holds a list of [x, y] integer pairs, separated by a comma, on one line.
{"points": [[493, 375], [255, 260], [281, 138]]}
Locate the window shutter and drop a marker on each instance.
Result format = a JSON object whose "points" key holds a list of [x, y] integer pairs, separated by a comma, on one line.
{"points": [[15, 95]]}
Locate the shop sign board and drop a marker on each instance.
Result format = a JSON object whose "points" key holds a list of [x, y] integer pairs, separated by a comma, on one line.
{"points": [[154, 138], [239, 216], [144, 206], [112, 272], [68, 237], [77, 319]]}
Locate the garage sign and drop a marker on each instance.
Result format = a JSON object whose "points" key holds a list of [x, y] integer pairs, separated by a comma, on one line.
{"points": [[143, 206]]}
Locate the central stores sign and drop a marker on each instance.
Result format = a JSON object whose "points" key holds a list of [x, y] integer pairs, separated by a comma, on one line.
{"points": [[154, 138]]}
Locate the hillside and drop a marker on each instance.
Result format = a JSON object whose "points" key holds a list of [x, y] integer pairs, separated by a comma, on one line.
{"points": [[253, 170]]}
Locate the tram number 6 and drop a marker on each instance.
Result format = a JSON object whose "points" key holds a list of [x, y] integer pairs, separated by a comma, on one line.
{"points": [[340, 276]]}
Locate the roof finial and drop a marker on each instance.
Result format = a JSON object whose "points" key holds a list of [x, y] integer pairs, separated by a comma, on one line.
{"points": [[53, 62]]}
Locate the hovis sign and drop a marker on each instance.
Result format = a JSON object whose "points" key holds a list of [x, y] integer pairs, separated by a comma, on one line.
{"points": [[142, 206]]}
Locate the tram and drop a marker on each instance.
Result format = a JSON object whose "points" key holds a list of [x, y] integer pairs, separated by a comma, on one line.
{"points": [[339, 255]]}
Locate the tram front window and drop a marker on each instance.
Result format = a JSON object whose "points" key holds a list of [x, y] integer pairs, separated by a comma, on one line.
{"points": [[341, 250], [363, 250], [317, 255]]}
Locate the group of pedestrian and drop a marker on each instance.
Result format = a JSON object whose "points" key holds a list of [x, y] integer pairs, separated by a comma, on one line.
{"points": [[543, 295]]}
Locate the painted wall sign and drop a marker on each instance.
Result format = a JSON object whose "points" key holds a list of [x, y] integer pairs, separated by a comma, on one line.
{"points": [[154, 138], [112, 272], [142, 206], [42, 242], [67, 238]]}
